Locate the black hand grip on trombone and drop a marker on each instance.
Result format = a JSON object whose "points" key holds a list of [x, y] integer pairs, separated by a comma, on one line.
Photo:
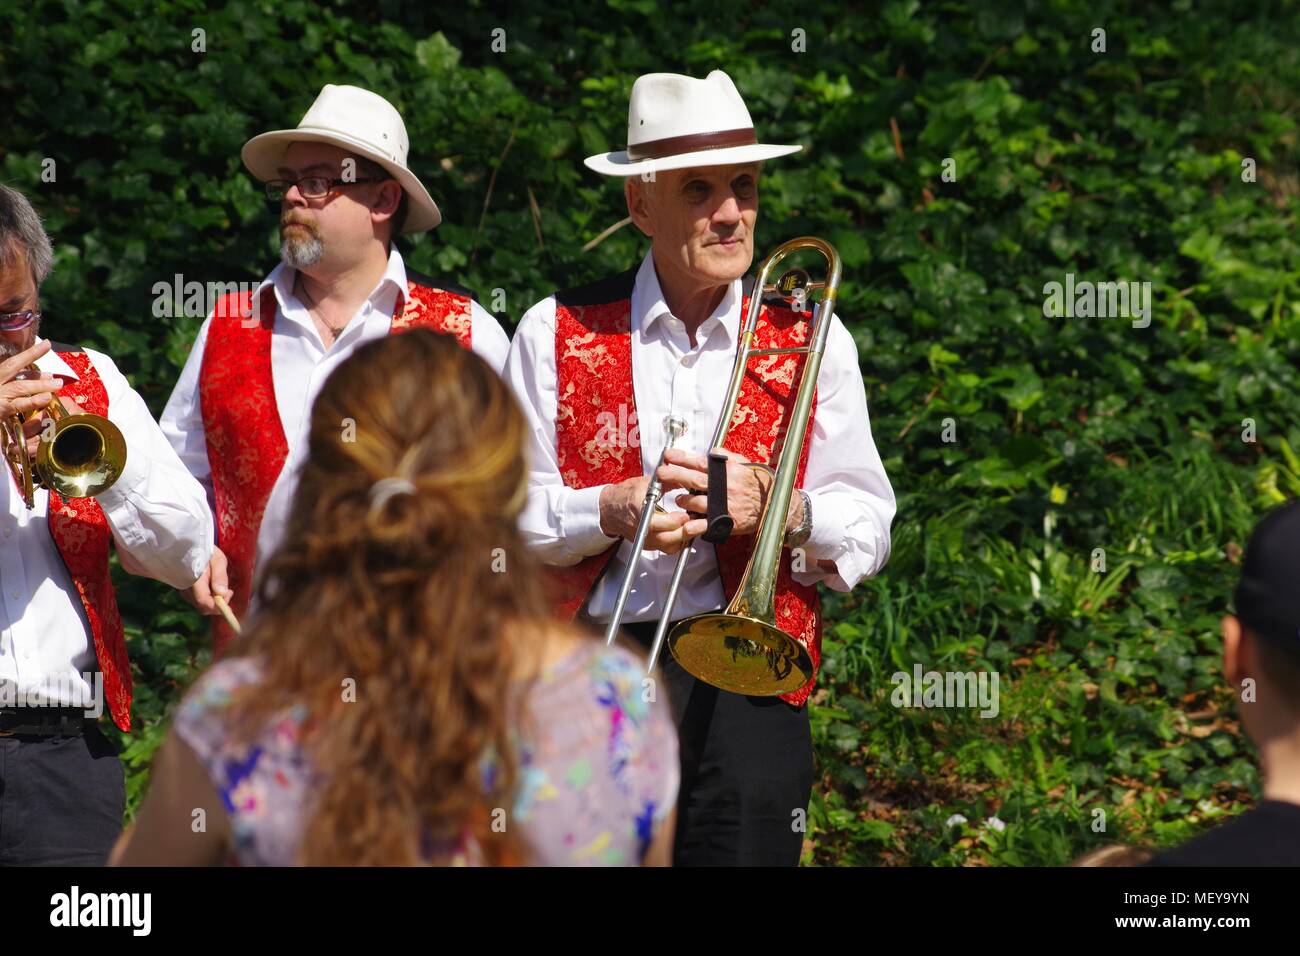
{"points": [[720, 522]]}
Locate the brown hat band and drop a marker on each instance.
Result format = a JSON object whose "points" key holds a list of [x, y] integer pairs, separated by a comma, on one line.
{"points": [[692, 143]]}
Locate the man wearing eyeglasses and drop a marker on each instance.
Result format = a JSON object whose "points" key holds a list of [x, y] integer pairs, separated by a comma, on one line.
{"points": [[240, 409], [63, 655]]}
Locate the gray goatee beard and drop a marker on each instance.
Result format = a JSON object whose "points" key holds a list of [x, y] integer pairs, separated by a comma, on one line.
{"points": [[301, 253]]}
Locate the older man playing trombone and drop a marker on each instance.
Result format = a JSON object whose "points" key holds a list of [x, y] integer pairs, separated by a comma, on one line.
{"points": [[598, 368]]}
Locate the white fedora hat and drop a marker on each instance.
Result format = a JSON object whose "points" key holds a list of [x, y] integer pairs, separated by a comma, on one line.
{"points": [[361, 122], [676, 121]]}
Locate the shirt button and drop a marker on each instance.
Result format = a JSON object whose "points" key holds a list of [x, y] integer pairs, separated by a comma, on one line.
{"points": [[9, 531], [15, 594]]}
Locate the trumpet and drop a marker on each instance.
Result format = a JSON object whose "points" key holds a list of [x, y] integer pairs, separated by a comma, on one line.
{"points": [[80, 455], [741, 649]]}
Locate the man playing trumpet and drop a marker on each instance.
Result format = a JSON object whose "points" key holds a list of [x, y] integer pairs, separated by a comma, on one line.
{"points": [[63, 654], [597, 369]]}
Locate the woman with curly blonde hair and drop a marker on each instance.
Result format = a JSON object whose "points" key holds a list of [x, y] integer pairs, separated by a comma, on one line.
{"points": [[402, 695]]}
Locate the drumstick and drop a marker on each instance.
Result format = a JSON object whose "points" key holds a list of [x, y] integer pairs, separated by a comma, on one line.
{"points": [[228, 614]]}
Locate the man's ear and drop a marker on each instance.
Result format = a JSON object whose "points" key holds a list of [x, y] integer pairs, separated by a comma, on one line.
{"points": [[388, 197], [1238, 653], [637, 206]]}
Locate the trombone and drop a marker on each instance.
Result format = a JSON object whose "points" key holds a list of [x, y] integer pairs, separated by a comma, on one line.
{"points": [[674, 428], [80, 455], [741, 649]]}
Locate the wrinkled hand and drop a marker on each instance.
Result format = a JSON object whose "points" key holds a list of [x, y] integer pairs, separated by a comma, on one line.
{"points": [[747, 488], [213, 581], [620, 511], [25, 395]]}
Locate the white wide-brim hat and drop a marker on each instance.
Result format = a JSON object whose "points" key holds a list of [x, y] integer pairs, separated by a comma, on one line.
{"points": [[675, 122], [361, 122]]}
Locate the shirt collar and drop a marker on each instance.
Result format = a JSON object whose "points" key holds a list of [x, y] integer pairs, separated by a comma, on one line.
{"points": [[52, 363], [648, 305], [282, 279]]}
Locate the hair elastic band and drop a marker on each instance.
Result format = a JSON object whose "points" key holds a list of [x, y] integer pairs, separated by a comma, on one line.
{"points": [[386, 488]]}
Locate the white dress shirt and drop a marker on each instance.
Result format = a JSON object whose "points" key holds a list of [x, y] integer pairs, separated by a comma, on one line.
{"points": [[161, 526], [852, 502], [300, 364]]}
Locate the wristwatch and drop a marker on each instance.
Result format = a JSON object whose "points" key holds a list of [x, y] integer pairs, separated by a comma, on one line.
{"points": [[800, 535]]}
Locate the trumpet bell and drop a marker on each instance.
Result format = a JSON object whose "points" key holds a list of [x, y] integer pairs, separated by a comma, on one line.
{"points": [[740, 654], [84, 457]]}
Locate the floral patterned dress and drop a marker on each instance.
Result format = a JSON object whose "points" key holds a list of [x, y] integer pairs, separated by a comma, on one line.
{"points": [[598, 770]]}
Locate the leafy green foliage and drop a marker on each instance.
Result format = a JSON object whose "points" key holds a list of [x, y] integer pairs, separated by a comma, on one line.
{"points": [[1071, 434]]}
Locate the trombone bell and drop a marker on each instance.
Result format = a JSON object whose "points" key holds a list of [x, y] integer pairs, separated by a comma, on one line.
{"points": [[740, 654]]}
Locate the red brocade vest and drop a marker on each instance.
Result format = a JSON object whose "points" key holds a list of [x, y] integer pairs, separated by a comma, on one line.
{"points": [[593, 361], [81, 534], [241, 420]]}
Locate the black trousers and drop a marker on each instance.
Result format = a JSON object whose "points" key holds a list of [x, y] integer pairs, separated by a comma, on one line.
{"points": [[61, 799], [747, 769]]}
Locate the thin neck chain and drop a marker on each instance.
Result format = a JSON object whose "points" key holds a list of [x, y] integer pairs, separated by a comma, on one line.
{"points": [[311, 304]]}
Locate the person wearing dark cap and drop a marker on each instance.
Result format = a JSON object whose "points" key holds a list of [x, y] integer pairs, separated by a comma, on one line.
{"points": [[1261, 659]]}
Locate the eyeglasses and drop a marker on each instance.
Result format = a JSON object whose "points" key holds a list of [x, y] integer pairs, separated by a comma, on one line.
{"points": [[311, 187], [17, 321]]}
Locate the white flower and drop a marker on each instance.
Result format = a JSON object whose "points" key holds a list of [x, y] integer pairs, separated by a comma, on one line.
{"points": [[993, 823], [955, 820], [1209, 809]]}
